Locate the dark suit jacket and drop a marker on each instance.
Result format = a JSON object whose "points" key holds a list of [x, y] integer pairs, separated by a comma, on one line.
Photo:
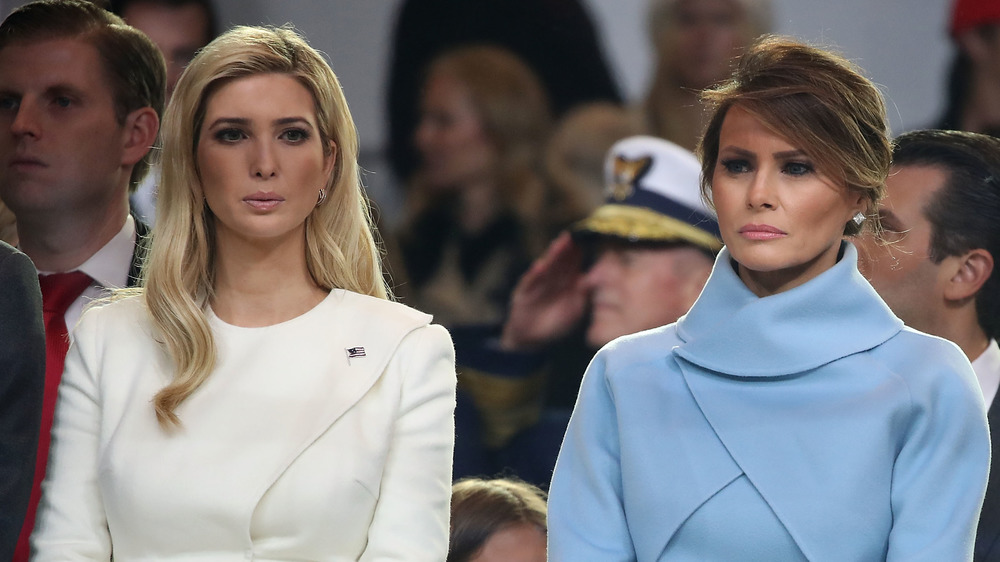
{"points": [[988, 533], [9, 513], [22, 381], [143, 235]]}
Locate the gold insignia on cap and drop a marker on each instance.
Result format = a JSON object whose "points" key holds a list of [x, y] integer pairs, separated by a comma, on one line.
{"points": [[626, 174], [641, 224]]}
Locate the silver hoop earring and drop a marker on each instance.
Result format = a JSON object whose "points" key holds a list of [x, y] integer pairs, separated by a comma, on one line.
{"points": [[322, 197], [859, 218]]}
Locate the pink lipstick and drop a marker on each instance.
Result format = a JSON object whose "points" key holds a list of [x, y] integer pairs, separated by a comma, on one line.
{"points": [[761, 232], [264, 200]]}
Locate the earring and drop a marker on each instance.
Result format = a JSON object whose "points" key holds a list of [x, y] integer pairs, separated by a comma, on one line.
{"points": [[859, 218], [322, 197]]}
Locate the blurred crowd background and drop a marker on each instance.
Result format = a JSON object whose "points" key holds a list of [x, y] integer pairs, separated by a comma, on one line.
{"points": [[903, 46]]}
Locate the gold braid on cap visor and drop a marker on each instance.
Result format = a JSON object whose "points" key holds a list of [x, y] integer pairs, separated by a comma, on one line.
{"points": [[642, 224]]}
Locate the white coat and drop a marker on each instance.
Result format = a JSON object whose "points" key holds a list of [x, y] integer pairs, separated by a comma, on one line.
{"points": [[326, 437]]}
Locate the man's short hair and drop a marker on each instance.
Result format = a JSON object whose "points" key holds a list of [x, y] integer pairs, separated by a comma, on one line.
{"points": [[132, 64], [965, 213]]}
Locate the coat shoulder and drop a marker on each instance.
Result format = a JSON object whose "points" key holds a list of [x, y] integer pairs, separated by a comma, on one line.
{"points": [[122, 308], [932, 368], [383, 310], [622, 355]]}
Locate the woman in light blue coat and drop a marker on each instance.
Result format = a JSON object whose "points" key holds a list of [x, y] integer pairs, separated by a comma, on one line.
{"points": [[789, 415]]}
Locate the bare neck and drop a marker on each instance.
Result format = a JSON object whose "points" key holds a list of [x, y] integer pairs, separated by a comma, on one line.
{"points": [[262, 283]]}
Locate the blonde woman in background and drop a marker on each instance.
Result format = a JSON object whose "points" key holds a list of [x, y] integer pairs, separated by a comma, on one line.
{"points": [[475, 206], [696, 43], [261, 397]]}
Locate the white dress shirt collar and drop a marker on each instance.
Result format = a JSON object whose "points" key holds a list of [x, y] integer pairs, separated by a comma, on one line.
{"points": [[109, 268], [987, 367]]}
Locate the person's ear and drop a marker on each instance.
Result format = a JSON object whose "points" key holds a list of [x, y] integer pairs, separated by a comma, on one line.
{"points": [[330, 160], [139, 134], [973, 269], [860, 203]]}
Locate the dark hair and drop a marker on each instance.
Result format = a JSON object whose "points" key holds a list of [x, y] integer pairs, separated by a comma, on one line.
{"points": [[132, 64], [820, 102], [480, 508], [965, 213], [959, 85], [119, 7]]}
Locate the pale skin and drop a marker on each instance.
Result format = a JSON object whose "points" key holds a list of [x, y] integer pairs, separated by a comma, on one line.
{"points": [[695, 53], [179, 31], [626, 290], [934, 297], [549, 299], [522, 542], [457, 153], [66, 159], [262, 163], [782, 218]]}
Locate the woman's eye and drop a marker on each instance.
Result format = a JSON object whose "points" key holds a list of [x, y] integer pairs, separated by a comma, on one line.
{"points": [[736, 166], [295, 135], [798, 168], [229, 135]]}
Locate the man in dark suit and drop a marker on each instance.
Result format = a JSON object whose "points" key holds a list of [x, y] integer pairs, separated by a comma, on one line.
{"points": [[935, 268], [22, 378], [81, 94]]}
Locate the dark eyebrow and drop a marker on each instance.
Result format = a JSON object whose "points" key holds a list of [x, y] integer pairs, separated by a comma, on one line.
{"points": [[64, 90], [784, 155], [886, 214], [739, 151], [790, 154]]}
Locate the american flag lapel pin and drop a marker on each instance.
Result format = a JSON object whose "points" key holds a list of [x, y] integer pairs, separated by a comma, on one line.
{"points": [[354, 352]]}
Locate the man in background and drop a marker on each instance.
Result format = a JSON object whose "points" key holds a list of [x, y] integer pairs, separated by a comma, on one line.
{"points": [[935, 268], [637, 262], [179, 28], [973, 102], [81, 95]]}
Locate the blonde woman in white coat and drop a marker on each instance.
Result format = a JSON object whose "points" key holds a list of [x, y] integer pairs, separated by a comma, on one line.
{"points": [[260, 398]]}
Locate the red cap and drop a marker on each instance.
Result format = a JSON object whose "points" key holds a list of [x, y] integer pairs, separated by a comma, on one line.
{"points": [[969, 14]]}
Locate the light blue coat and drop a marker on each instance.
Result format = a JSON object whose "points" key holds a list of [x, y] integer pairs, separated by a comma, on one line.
{"points": [[806, 425]]}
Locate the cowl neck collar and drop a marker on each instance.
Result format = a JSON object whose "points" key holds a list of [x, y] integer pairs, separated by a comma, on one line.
{"points": [[734, 332]]}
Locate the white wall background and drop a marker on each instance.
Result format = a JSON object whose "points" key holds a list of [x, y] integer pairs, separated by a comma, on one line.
{"points": [[901, 44]]}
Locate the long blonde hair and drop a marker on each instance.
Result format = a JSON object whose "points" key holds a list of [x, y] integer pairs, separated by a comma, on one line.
{"points": [[341, 251]]}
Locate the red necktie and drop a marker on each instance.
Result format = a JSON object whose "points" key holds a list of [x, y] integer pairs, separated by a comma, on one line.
{"points": [[59, 290]]}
